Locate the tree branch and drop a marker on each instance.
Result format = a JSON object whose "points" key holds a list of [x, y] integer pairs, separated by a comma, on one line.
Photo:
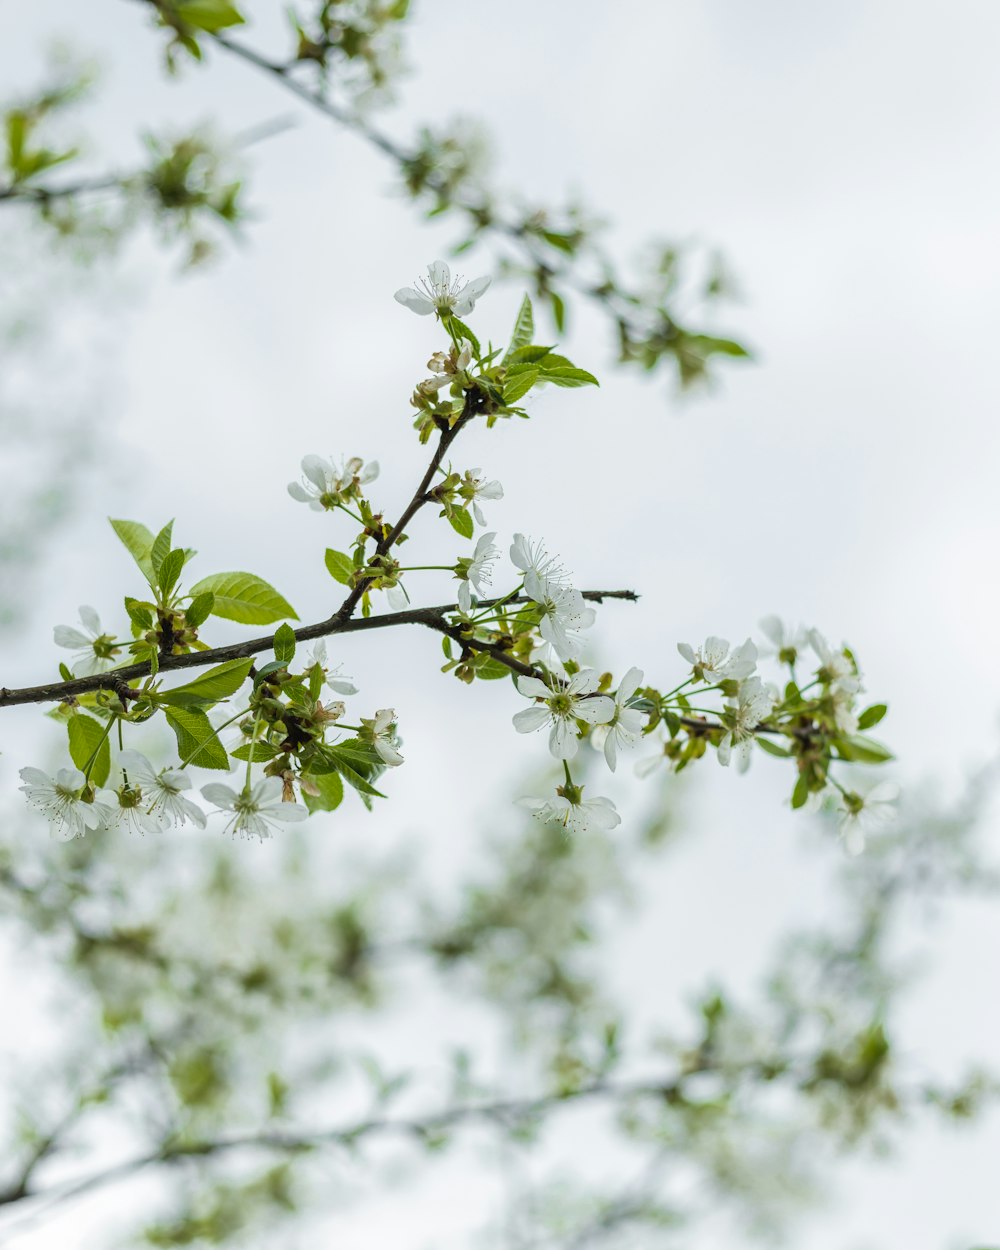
{"points": [[502, 1112], [434, 618]]}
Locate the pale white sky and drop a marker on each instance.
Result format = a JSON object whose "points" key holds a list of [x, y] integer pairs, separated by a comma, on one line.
{"points": [[845, 160]]}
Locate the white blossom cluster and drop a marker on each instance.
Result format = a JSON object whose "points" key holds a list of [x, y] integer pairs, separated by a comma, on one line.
{"points": [[541, 636]]}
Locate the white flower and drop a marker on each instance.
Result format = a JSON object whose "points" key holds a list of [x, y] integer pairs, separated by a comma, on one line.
{"points": [[562, 706], [337, 683], [786, 642], [652, 763], [452, 362], [752, 704], [838, 669], [324, 486], [95, 654], [565, 614], [475, 488], [713, 663], [625, 727], [396, 597], [579, 817], [868, 813], [63, 802], [437, 293], [380, 732], [257, 811], [542, 572], [477, 570], [161, 791]]}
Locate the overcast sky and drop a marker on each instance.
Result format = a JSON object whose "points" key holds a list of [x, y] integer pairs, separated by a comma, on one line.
{"points": [[844, 158]]}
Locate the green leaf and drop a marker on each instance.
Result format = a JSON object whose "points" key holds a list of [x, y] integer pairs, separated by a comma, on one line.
{"points": [[169, 571], [519, 385], [262, 752], [215, 684], [872, 715], [208, 15], [138, 541], [862, 750], [461, 522], [339, 566], [199, 609], [558, 311], [531, 354], [331, 793], [772, 748], [463, 331], [265, 671], [563, 242], [161, 546], [197, 743], [801, 792], [524, 329], [567, 375], [246, 598], [139, 613], [492, 670], [707, 345], [284, 643], [87, 735], [673, 723]]}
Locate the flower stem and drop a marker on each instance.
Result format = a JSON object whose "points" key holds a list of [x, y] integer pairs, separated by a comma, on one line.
{"points": [[93, 757]]}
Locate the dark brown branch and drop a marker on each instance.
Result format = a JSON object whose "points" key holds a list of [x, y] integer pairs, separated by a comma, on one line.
{"points": [[433, 618]]}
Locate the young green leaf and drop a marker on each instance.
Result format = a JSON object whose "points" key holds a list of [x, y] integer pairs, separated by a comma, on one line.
{"points": [[197, 742], [517, 386], [524, 329], [208, 15], [461, 522], [211, 686], [161, 546], [138, 541], [87, 735], [199, 609], [245, 598], [331, 793], [262, 752], [284, 643], [169, 571], [339, 566], [872, 715]]}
